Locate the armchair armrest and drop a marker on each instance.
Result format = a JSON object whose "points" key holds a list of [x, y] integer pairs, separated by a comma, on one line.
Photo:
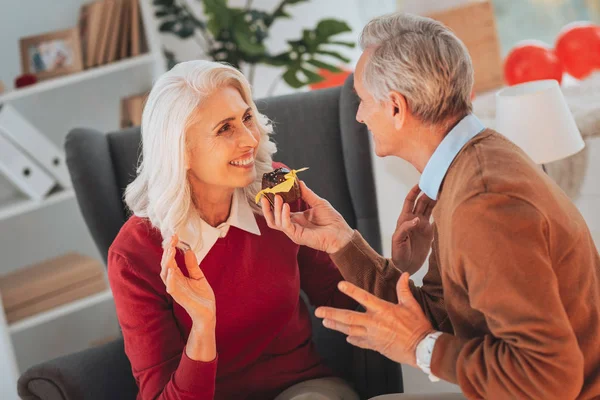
{"points": [[102, 372]]}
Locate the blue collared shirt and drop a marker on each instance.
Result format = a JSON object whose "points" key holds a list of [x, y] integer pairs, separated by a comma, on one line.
{"points": [[438, 164]]}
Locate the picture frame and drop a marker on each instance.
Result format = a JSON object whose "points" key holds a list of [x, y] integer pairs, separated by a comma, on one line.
{"points": [[51, 54]]}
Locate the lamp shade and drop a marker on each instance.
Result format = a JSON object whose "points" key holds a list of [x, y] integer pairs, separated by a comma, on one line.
{"points": [[536, 117]]}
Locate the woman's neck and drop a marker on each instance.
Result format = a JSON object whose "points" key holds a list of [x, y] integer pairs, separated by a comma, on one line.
{"points": [[213, 204]]}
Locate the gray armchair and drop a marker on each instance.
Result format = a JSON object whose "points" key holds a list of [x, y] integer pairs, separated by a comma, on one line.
{"points": [[316, 129]]}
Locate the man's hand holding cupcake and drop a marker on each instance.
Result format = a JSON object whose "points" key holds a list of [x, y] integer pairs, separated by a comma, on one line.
{"points": [[320, 227]]}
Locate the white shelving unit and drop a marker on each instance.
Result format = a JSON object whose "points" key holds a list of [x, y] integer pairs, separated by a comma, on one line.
{"points": [[57, 83], [32, 231]]}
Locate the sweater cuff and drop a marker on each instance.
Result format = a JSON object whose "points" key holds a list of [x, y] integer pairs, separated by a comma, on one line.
{"points": [[350, 250], [357, 255], [196, 377], [445, 356]]}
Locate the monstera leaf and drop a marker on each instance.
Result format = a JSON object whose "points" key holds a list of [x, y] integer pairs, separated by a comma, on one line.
{"points": [[176, 19], [280, 11], [247, 33], [306, 55], [219, 15]]}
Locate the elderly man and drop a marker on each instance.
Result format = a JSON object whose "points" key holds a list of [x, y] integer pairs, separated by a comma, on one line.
{"points": [[509, 306]]}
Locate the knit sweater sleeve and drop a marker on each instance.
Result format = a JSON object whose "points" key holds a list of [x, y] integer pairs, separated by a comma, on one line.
{"points": [[500, 255], [364, 267], [153, 342]]}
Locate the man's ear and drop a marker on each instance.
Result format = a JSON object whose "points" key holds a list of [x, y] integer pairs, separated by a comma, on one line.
{"points": [[398, 108]]}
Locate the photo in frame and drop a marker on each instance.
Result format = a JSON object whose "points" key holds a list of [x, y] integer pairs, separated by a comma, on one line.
{"points": [[51, 54]]}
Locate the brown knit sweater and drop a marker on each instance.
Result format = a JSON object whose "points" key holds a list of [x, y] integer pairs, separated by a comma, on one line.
{"points": [[513, 280]]}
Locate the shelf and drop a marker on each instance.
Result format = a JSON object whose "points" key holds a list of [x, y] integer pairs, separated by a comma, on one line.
{"points": [[22, 206], [58, 312], [92, 73]]}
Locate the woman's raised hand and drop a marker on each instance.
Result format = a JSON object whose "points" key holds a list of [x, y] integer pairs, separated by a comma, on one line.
{"points": [[194, 294]]}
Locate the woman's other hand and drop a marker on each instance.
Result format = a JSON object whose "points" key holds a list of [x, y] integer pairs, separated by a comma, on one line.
{"points": [[195, 295]]}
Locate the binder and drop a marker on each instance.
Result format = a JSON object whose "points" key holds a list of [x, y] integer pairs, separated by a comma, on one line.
{"points": [[39, 148], [23, 172]]}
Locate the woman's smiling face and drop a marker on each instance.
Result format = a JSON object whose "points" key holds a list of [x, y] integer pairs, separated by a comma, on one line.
{"points": [[222, 142]]}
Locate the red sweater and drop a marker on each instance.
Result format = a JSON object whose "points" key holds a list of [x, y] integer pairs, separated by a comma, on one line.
{"points": [[263, 328]]}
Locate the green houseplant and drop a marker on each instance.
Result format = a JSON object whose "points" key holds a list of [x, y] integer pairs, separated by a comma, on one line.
{"points": [[237, 36]]}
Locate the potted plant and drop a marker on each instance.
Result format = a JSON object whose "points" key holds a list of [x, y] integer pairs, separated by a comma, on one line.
{"points": [[237, 36]]}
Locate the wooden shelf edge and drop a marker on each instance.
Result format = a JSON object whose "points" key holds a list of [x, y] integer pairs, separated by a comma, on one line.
{"points": [[59, 311]]}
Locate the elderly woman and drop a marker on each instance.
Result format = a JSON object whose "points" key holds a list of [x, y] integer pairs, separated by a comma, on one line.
{"points": [[207, 295]]}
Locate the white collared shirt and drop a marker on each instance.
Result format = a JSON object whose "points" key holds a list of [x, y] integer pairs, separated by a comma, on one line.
{"points": [[202, 237], [439, 163]]}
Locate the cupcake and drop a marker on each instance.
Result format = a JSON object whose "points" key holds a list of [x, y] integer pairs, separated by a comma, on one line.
{"points": [[277, 177]]}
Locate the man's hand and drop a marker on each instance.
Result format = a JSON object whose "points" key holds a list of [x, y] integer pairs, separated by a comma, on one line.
{"points": [[393, 330], [412, 238], [320, 227]]}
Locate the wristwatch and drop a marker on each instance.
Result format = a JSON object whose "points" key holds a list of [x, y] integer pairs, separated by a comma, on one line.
{"points": [[424, 353]]}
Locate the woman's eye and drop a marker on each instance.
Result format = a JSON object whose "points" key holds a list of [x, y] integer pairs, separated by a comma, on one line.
{"points": [[248, 118], [224, 128]]}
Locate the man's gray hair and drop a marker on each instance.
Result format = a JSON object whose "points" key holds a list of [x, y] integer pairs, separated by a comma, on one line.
{"points": [[423, 60]]}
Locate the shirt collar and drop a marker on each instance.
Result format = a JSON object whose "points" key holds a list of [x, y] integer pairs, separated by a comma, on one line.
{"points": [[202, 237], [448, 149]]}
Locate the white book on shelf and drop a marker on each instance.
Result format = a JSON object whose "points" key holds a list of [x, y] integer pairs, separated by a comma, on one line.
{"points": [[22, 133], [22, 171]]}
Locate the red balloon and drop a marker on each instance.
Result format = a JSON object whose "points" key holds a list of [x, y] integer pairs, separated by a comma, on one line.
{"points": [[578, 48], [531, 61]]}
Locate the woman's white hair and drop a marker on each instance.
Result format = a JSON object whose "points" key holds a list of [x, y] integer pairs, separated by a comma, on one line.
{"points": [[423, 60], [161, 191]]}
